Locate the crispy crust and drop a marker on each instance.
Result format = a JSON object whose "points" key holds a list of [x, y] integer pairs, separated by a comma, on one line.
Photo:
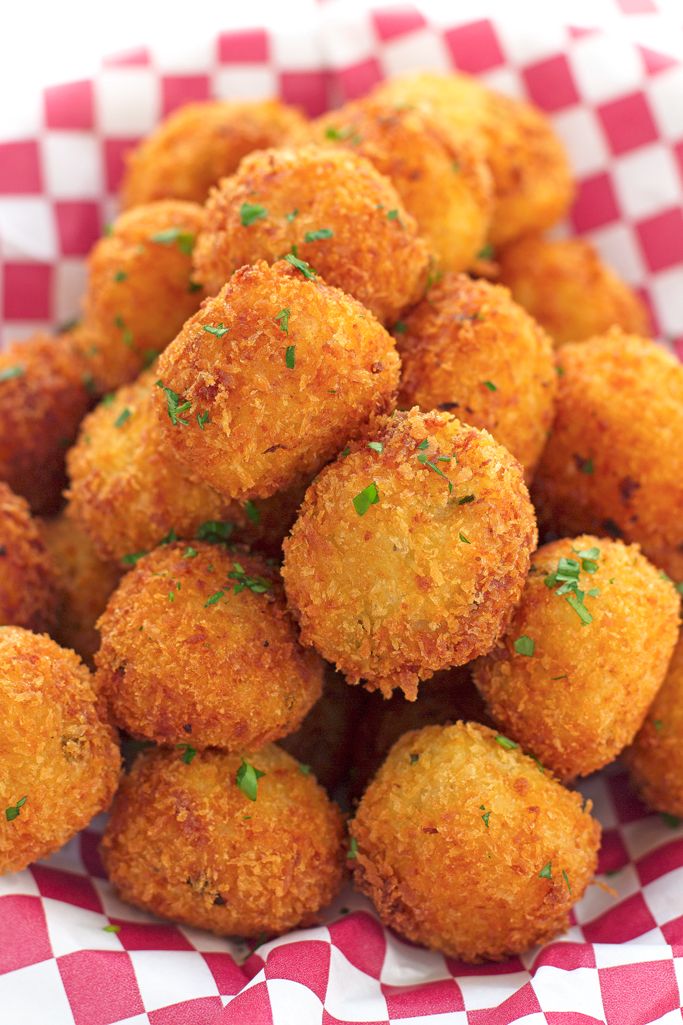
{"points": [[29, 590], [271, 426], [56, 752], [375, 257], [184, 842], [230, 674], [441, 876], [584, 693], [470, 350], [395, 595]]}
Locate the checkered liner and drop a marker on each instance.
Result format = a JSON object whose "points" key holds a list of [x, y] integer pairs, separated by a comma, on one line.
{"points": [[618, 104]]}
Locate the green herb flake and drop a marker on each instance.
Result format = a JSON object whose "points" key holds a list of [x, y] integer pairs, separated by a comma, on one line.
{"points": [[250, 212], [585, 465], [219, 330], [253, 512], [133, 557], [525, 645], [203, 418], [393, 215], [194, 286], [283, 320], [353, 849], [124, 415], [487, 252], [290, 357], [505, 742], [301, 265], [365, 498], [319, 235], [672, 821], [400, 327], [183, 239], [214, 531], [111, 928], [347, 134], [120, 275], [306, 769], [292, 215], [465, 540], [566, 879], [486, 816], [14, 810], [169, 538], [658, 724], [190, 552], [431, 464], [257, 585], [414, 758], [11, 372], [214, 599], [247, 779], [376, 446], [466, 499], [490, 385], [175, 405], [547, 871], [345, 452], [188, 752]]}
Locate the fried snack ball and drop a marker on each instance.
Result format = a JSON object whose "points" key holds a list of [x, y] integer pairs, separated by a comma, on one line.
{"points": [[327, 207], [655, 759], [264, 384], [441, 176], [410, 551], [200, 143], [140, 290], [612, 464], [465, 847], [569, 290], [59, 763], [187, 842], [43, 397], [576, 671], [28, 579], [198, 648], [470, 350], [85, 583], [532, 180]]}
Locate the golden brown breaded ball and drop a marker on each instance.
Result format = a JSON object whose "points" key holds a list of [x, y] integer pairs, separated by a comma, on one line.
{"points": [[410, 551], [266, 382], [140, 290], [28, 578], [85, 583], [584, 655], [612, 464], [199, 648], [441, 176], [200, 143], [464, 846], [59, 763], [326, 207], [655, 759], [232, 844], [470, 350], [532, 180], [43, 397], [569, 290]]}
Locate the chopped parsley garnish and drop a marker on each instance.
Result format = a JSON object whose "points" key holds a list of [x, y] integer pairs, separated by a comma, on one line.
{"points": [[132, 558], [216, 329], [124, 415], [194, 286], [490, 385], [301, 265], [250, 212], [566, 879], [175, 405], [283, 320], [169, 538], [487, 252], [400, 327], [126, 333], [14, 810], [253, 514], [258, 585], [306, 769], [290, 357], [393, 215], [672, 821], [547, 871], [585, 465], [465, 540], [319, 235], [345, 452], [111, 928], [562, 677], [466, 499], [9, 372], [120, 275], [365, 498], [376, 446], [214, 599], [203, 418], [188, 752], [658, 724], [509, 745], [292, 215], [486, 816], [353, 848], [347, 134], [183, 239], [525, 645], [214, 531], [247, 779], [89, 383], [414, 758], [190, 552], [422, 458], [567, 576]]}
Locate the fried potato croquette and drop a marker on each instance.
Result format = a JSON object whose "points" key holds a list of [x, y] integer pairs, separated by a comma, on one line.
{"points": [[43, 397], [326, 207], [584, 655], [85, 583], [655, 759], [569, 290], [140, 290], [225, 844], [59, 764], [28, 579], [470, 350], [265, 383], [465, 847], [612, 464], [441, 176], [410, 551], [200, 143], [532, 181], [198, 648]]}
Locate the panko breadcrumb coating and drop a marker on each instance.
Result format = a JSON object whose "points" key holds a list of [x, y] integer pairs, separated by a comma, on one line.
{"points": [[43, 397], [441, 176], [266, 382], [465, 847], [569, 290], [584, 655], [85, 583], [410, 551], [470, 350], [655, 759], [612, 464], [140, 290], [200, 143], [59, 764], [187, 842], [532, 180], [198, 648], [326, 207], [28, 578]]}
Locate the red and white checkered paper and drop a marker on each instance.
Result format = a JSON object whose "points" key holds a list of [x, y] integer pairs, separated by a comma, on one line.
{"points": [[617, 101]]}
